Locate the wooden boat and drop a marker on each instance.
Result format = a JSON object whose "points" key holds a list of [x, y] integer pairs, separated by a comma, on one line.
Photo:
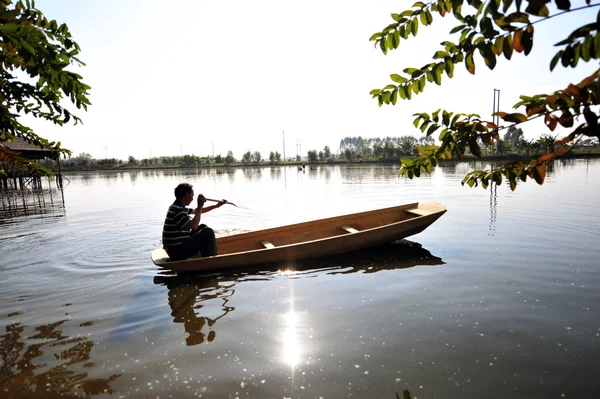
{"points": [[316, 238]]}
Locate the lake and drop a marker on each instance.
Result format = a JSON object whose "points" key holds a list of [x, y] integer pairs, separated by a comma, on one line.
{"points": [[498, 298]]}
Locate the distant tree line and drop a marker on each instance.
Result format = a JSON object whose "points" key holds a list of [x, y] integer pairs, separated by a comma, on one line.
{"points": [[351, 149]]}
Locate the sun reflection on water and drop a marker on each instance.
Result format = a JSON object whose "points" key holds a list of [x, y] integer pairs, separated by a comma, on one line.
{"points": [[291, 344], [291, 320]]}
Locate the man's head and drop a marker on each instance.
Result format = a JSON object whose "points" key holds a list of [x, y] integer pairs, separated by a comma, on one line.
{"points": [[184, 193]]}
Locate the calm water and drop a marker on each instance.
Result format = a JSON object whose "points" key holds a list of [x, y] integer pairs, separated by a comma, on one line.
{"points": [[499, 298]]}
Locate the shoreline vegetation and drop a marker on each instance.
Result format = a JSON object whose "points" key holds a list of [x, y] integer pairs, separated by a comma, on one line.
{"points": [[187, 161], [352, 150]]}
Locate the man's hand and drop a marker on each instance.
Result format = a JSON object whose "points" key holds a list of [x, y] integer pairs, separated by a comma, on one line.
{"points": [[201, 200], [221, 203]]}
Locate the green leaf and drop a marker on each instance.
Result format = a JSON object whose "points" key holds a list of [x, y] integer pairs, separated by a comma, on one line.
{"points": [[555, 59], [450, 47], [391, 41], [454, 120], [507, 47], [568, 57], [394, 98], [449, 67], [397, 78], [487, 28], [382, 46], [519, 17], [498, 45], [406, 162], [429, 17], [415, 86], [28, 47], [527, 39], [585, 49], [446, 117], [470, 64], [488, 55], [411, 71], [563, 4], [437, 74], [537, 7], [402, 32], [414, 26], [401, 92], [515, 118], [422, 83], [457, 28], [9, 27]]}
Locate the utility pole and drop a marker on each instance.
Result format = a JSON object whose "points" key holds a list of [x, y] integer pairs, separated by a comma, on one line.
{"points": [[213, 148], [283, 131], [495, 118]]}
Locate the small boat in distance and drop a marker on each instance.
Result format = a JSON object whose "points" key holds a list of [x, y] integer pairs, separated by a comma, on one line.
{"points": [[316, 238]]}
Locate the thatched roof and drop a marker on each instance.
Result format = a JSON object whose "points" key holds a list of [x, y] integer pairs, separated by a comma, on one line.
{"points": [[28, 150]]}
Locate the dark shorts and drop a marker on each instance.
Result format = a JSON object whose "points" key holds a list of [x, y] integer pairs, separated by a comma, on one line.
{"points": [[202, 242]]}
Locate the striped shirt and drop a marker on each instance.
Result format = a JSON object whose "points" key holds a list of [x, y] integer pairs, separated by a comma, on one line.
{"points": [[174, 230]]}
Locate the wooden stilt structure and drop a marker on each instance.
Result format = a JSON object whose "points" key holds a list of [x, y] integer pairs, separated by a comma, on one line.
{"points": [[17, 179]]}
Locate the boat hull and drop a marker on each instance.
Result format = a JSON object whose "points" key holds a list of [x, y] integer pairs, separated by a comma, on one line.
{"points": [[287, 244]]}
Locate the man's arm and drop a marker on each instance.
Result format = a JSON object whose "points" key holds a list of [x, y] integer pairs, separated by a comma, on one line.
{"points": [[210, 208], [195, 221]]}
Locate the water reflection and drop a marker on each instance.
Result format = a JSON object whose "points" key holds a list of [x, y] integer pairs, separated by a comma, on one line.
{"points": [[493, 208], [189, 295], [16, 204], [253, 174], [47, 368], [275, 173], [194, 297]]}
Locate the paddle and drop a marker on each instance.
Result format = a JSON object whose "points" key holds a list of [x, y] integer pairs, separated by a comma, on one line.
{"points": [[226, 202]]}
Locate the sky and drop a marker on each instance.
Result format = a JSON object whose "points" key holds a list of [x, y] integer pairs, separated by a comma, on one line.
{"points": [[196, 76]]}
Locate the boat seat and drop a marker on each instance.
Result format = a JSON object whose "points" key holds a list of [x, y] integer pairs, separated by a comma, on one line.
{"points": [[267, 244], [348, 229], [418, 211]]}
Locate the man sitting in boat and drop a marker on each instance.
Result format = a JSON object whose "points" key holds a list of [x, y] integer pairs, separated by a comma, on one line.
{"points": [[183, 235]]}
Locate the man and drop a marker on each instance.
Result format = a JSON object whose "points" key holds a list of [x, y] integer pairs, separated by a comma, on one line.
{"points": [[183, 235]]}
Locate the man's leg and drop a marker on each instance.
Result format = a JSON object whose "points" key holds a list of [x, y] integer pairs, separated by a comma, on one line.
{"points": [[180, 252], [204, 241]]}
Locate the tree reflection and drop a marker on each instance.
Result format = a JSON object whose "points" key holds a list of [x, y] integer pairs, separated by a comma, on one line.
{"points": [[53, 374], [191, 294]]}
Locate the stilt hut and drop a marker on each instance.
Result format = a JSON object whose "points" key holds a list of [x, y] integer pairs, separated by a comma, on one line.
{"points": [[23, 178]]}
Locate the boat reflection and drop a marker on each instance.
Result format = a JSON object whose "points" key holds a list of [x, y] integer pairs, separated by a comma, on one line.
{"points": [[193, 297], [51, 367]]}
